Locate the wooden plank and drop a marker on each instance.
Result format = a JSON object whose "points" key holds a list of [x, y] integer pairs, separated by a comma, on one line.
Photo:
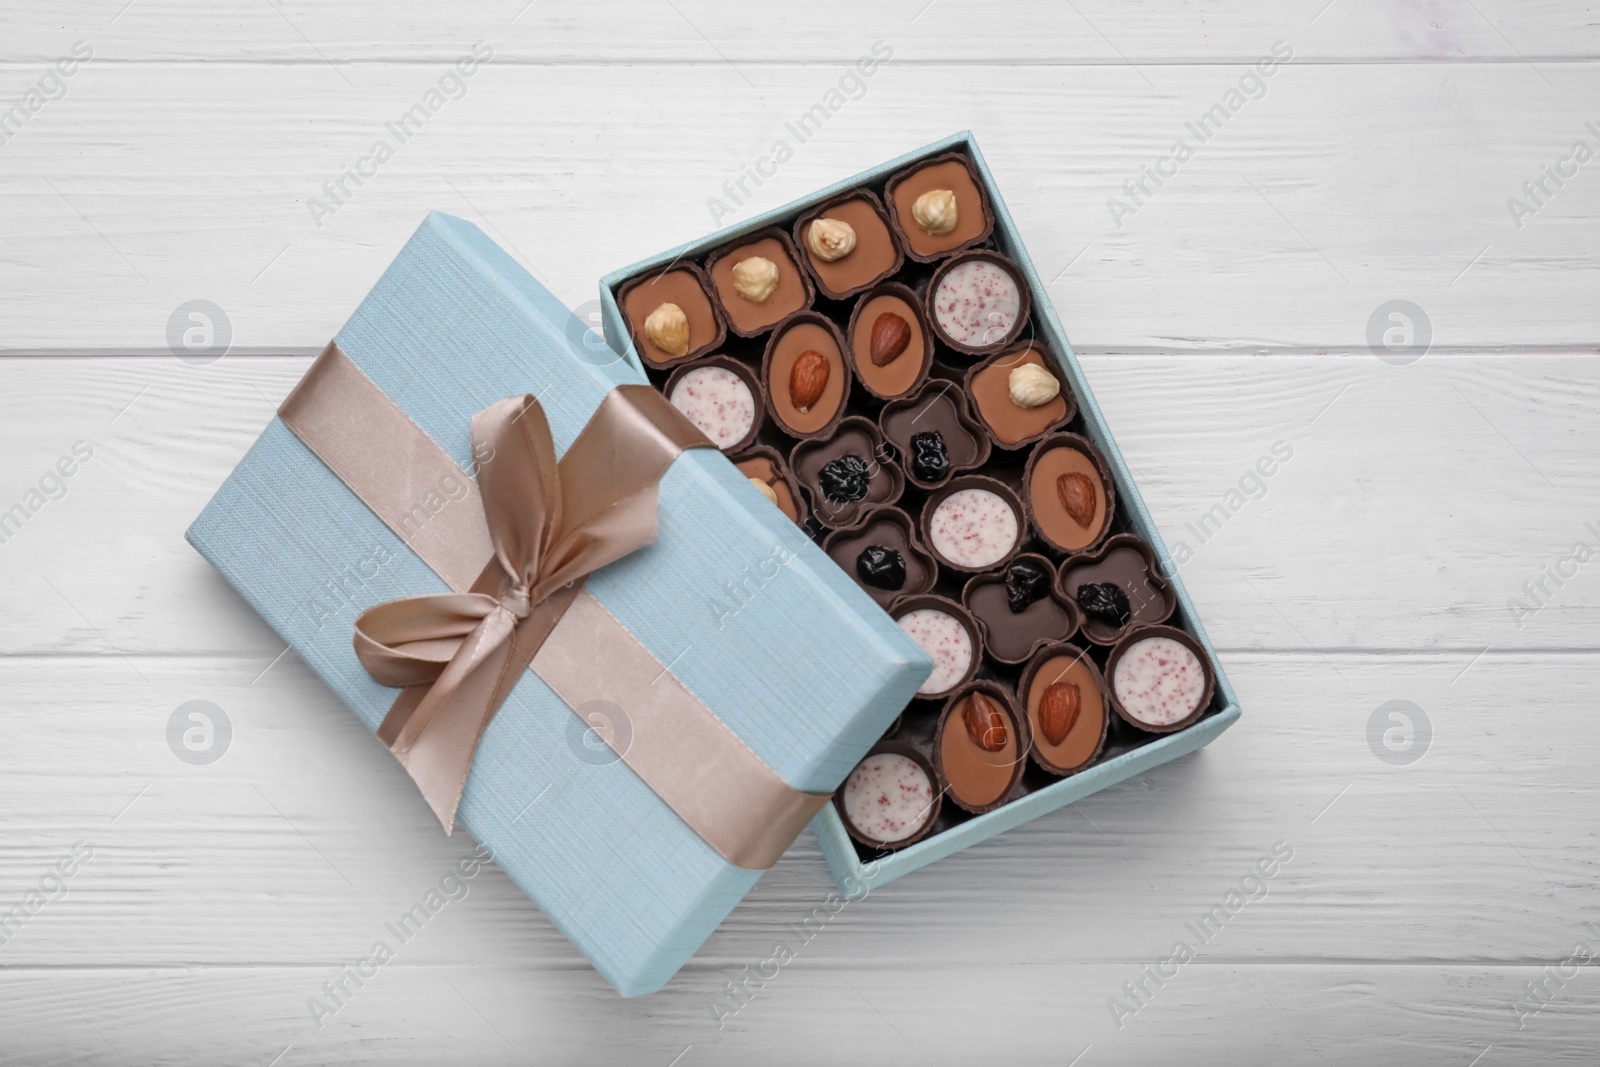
{"points": [[1417, 504], [1014, 32], [162, 183]]}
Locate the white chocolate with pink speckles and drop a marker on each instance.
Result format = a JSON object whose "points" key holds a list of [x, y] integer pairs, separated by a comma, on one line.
{"points": [[977, 303], [888, 797], [1159, 681], [973, 528], [947, 642], [718, 402]]}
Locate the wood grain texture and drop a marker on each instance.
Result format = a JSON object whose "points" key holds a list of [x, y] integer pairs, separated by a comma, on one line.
{"points": [[165, 182], [1377, 565]]}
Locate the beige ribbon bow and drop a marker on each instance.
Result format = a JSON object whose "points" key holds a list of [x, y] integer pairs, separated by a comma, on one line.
{"points": [[551, 523]]}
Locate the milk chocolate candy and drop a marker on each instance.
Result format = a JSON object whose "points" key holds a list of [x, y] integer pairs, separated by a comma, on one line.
{"points": [[885, 530], [686, 286], [891, 346], [764, 464], [1064, 696], [736, 287], [1014, 425], [974, 217], [1159, 679], [1069, 493], [939, 408], [876, 254], [980, 746], [845, 474], [803, 370], [1127, 564]]}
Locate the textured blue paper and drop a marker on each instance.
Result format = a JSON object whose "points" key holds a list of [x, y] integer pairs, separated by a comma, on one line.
{"points": [[854, 878], [751, 616]]}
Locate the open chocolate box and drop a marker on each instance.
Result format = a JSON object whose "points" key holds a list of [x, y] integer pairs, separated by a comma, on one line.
{"points": [[882, 361]]}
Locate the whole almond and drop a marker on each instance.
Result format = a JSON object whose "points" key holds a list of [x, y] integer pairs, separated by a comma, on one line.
{"points": [[1058, 710], [985, 722], [1076, 492], [807, 379], [890, 335]]}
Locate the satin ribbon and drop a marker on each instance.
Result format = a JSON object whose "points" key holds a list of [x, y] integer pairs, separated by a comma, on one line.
{"points": [[545, 525]]}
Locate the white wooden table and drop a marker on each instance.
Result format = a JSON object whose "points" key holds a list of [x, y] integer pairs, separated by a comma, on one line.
{"points": [[1227, 312]]}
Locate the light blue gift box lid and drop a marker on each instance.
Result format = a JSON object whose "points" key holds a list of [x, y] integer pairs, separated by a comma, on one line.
{"points": [[750, 615]]}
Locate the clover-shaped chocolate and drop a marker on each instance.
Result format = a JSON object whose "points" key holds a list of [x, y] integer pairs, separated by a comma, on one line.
{"points": [[1125, 564]]}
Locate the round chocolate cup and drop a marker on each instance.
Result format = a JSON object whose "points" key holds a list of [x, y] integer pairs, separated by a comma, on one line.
{"points": [[1157, 599], [898, 748], [745, 374], [931, 389], [1132, 637], [998, 577], [1070, 402], [974, 481], [780, 467], [1107, 485], [647, 350], [921, 569], [771, 387], [925, 356], [822, 209], [1024, 692], [848, 515], [913, 602], [773, 233], [1023, 311], [949, 720], [900, 226]]}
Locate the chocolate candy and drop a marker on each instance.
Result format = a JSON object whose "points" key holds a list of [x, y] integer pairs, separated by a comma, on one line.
{"points": [[938, 407], [887, 319], [718, 395], [1128, 566], [1015, 425], [889, 800], [882, 567], [1068, 491], [735, 286], [763, 464], [974, 219], [980, 746], [977, 302], [973, 523], [810, 403], [890, 529], [837, 499], [875, 255], [1065, 700], [943, 630], [685, 286], [1160, 678], [1019, 608]]}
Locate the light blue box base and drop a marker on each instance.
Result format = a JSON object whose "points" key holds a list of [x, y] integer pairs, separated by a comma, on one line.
{"points": [[855, 877]]}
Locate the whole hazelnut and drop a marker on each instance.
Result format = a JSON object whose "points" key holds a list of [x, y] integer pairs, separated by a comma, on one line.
{"points": [[667, 327], [1031, 385], [766, 490], [935, 212], [755, 278], [830, 239]]}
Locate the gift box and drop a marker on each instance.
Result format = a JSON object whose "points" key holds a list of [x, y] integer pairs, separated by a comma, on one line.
{"points": [[1125, 750], [791, 669]]}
